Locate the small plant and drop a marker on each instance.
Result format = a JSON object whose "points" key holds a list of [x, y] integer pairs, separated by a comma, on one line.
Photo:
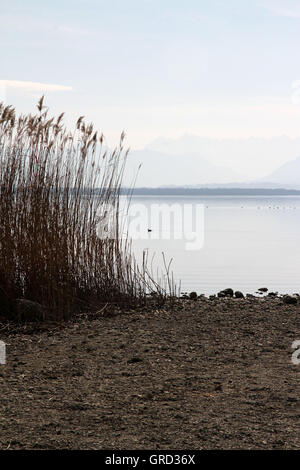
{"points": [[58, 191]]}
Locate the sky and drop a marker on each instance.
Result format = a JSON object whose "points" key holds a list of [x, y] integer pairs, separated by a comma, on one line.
{"points": [[219, 69]]}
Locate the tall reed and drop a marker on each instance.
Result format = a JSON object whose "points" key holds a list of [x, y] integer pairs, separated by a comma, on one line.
{"points": [[60, 241]]}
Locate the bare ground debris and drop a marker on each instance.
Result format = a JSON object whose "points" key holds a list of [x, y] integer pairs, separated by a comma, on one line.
{"points": [[204, 374]]}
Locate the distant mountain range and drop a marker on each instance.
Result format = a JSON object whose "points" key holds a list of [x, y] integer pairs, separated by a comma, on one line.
{"points": [[252, 157], [287, 175], [192, 162], [160, 169]]}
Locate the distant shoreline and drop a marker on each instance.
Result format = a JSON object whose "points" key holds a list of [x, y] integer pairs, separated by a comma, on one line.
{"points": [[210, 192]]}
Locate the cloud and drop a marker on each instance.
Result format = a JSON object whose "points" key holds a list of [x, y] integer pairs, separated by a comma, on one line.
{"points": [[29, 24], [287, 11], [34, 86]]}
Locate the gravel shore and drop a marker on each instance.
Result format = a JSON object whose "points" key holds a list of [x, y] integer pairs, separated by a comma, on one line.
{"points": [[198, 374]]}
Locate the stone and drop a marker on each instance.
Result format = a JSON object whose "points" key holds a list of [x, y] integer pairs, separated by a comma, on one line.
{"points": [[221, 294], [193, 295], [239, 295], [290, 299], [272, 294], [226, 293]]}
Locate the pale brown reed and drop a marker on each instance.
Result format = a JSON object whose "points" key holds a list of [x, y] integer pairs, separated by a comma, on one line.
{"points": [[57, 190]]}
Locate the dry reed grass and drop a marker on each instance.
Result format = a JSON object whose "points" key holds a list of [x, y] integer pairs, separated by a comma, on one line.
{"points": [[57, 189]]}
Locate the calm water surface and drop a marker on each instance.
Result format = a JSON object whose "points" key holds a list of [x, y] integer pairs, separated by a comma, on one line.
{"points": [[249, 242]]}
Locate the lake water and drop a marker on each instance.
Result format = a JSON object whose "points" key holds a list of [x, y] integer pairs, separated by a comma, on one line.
{"points": [[248, 242]]}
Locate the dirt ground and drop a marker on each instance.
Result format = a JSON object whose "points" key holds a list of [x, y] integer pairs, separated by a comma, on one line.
{"points": [[205, 374]]}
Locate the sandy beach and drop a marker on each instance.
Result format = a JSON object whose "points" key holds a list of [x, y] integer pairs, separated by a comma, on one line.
{"points": [[203, 374]]}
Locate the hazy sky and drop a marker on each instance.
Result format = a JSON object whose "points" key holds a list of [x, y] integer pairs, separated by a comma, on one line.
{"points": [[215, 68]]}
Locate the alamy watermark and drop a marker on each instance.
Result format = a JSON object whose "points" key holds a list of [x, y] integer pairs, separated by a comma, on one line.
{"points": [[2, 352], [296, 353], [162, 221]]}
